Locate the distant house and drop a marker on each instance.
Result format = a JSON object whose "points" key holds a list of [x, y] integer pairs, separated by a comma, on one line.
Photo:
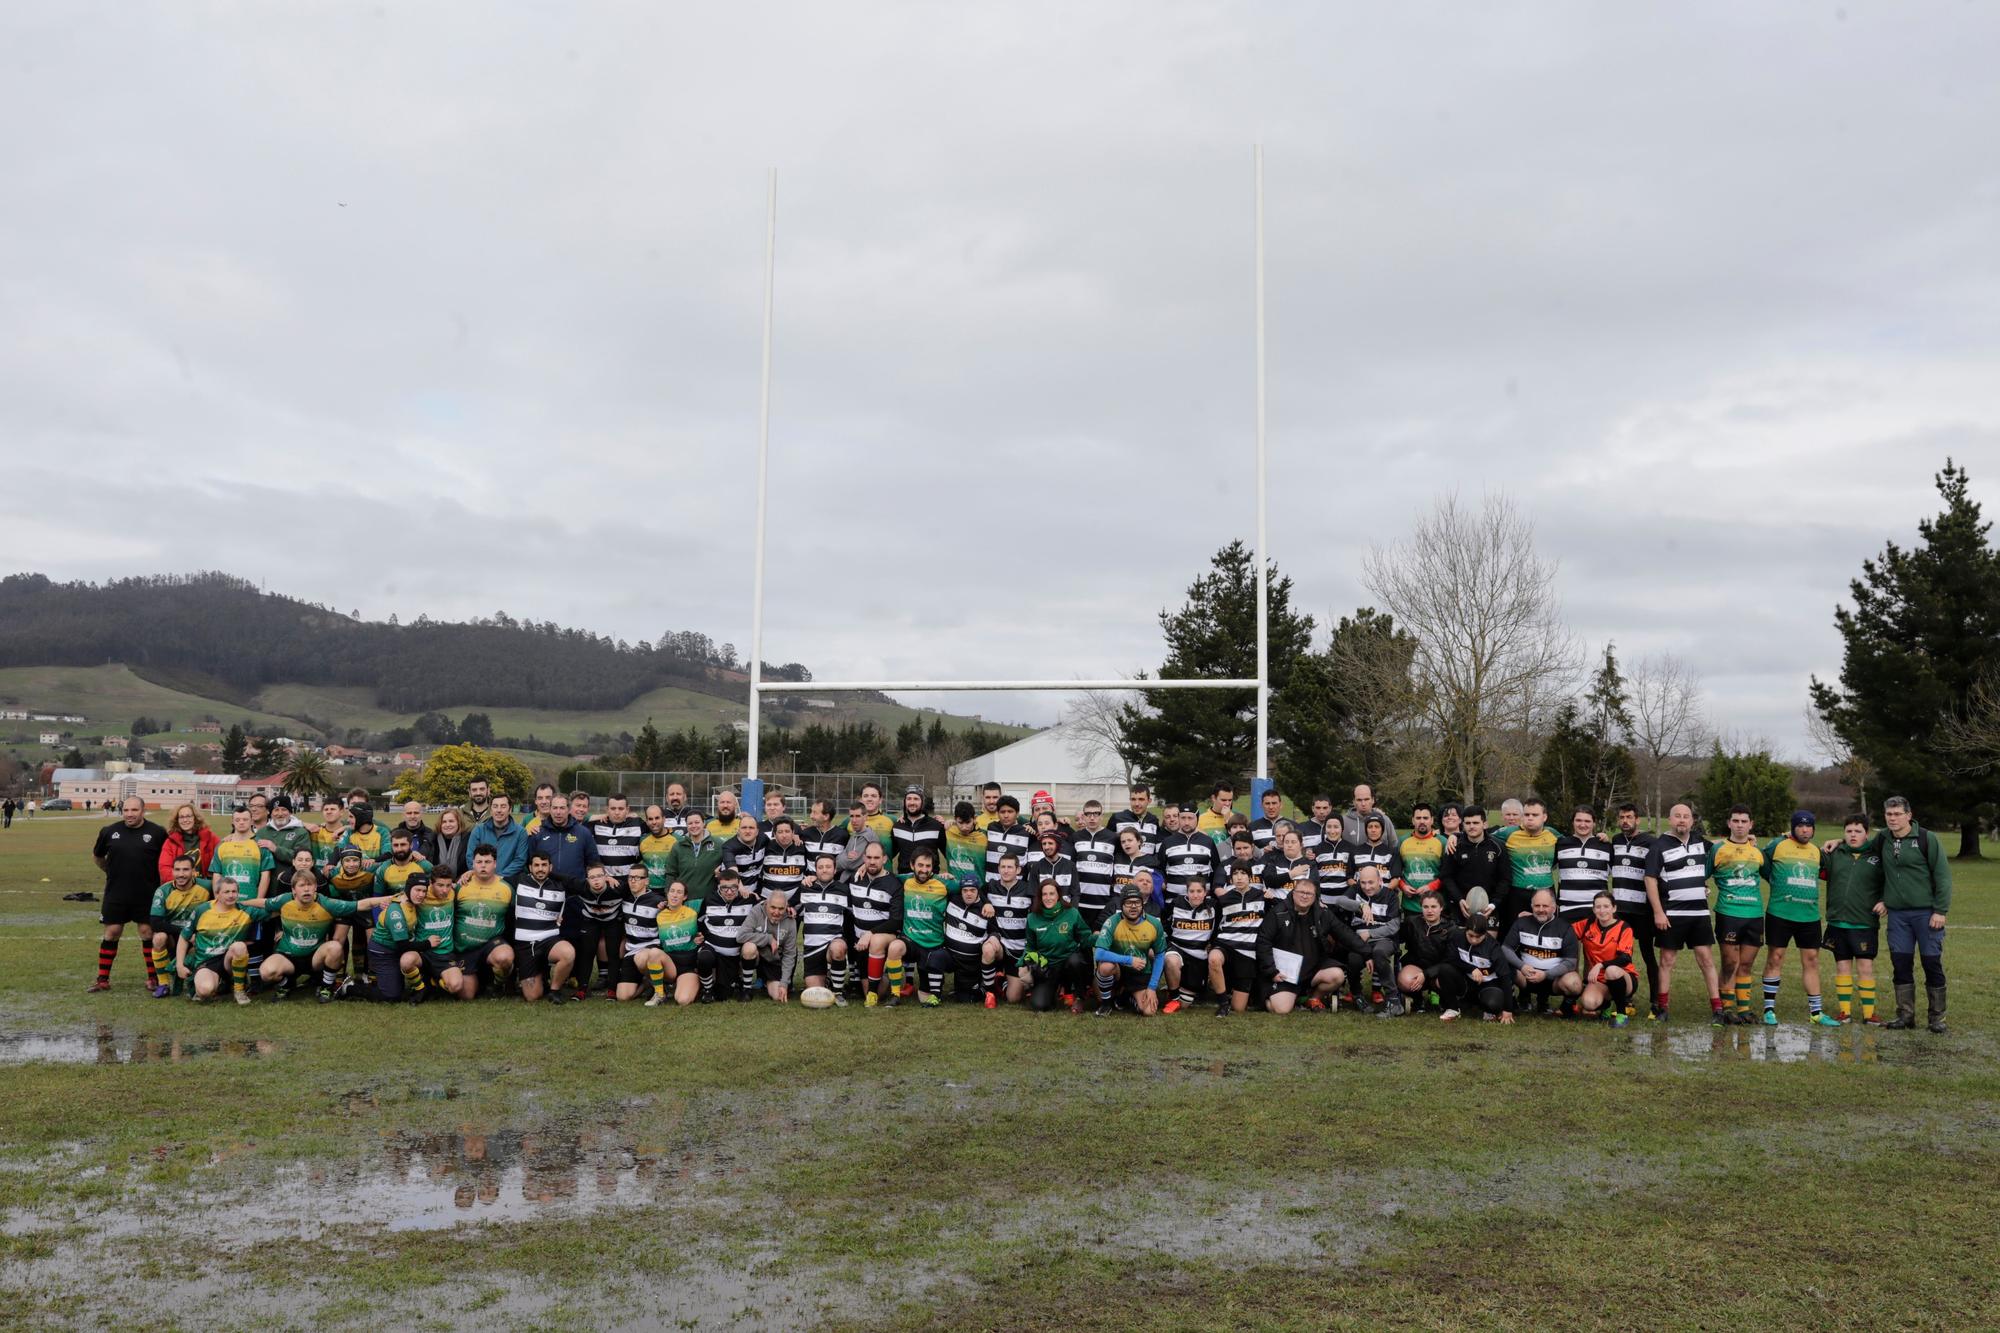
{"points": [[405, 757], [52, 738], [13, 715], [215, 727], [1070, 765], [71, 717], [116, 742]]}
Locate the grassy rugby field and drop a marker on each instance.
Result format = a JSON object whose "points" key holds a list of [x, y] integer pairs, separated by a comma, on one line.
{"points": [[296, 1166]]}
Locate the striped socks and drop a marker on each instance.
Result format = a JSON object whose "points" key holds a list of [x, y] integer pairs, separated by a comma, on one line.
{"points": [[1771, 985], [107, 954], [1105, 985], [1843, 996], [989, 978], [655, 973], [1813, 1006], [239, 974], [836, 972], [1867, 989], [746, 972], [155, 955], [893, 969], [1742, 995]]}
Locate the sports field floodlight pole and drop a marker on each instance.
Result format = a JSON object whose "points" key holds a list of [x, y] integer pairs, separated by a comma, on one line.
{"points": [[753, 785]]}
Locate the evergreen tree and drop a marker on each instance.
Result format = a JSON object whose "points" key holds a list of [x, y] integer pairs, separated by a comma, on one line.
{"points": [[1184, 740], [235, 746], [1752, 779], [1924, 627], [476, 729], [1335, 722], [648, 751]]}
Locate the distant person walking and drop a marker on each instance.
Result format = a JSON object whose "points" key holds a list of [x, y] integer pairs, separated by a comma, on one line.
{"points": [[7, 813]]}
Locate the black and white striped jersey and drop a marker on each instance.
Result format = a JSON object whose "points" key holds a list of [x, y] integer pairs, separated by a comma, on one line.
{"points": [[1010, 913], [832, 841], [1334, 860], [1275, 871], [748, 858], [923, 834], [966, 928], [1190, 929], [1187, 858], [1481, 957], [1382, 855], [785, 868], [1311, 834], [538, 908], [1629, 852], [722, 923], [594, 908], [618, 843], [823, 914], [1095, 855], [876, 904], [1019, 840], [1238, 919], [1373, 918], [1062, 870], [1582, 867], [1263, 831], [642, 918], [1681, 866], [1147, 825]]}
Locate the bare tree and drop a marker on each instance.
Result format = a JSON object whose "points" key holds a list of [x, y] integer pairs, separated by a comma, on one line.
{"points": [[1827, 742], [1492, 651], [1969, 738], [1092, 721], [1667, 719]]}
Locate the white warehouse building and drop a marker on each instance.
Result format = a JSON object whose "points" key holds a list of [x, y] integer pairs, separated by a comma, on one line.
{"points": [[1064, 761]]}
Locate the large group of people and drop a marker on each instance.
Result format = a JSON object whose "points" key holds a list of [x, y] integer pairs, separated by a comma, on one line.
{"points": [[1146, 909]]}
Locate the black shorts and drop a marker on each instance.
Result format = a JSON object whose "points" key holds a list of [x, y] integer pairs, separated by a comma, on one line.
{"points": [[682, 963], [1687, 932], [473, 960], [1782, 932], [1743, 931], [218, 965], [1194, 968], [1239, 970], [1850, 942], [630, 973], [1514, 902], [302, 963], [435, 963], [1640, 919], [122, 905], [815, 963], [531, 961]]}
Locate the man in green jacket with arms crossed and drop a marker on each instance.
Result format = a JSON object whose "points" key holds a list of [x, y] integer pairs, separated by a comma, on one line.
{"points": [[1916, 891]]}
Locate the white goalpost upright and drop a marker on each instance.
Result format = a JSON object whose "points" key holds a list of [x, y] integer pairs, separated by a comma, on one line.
{"points": [[753, 784]]}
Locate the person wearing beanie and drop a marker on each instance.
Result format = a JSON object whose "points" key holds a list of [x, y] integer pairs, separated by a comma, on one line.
{"points": [[1131, 951]]}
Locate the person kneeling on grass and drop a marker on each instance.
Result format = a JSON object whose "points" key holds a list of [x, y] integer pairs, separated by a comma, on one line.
{"points": [[1190, 923], [1426, 950], [1056, 961], [1605, 941], [177, 904], [1131, 953], [1542, 951], [218, 946], [396, 945], [305, 929], [1479, 971], [1302, 930], [771, 947]]}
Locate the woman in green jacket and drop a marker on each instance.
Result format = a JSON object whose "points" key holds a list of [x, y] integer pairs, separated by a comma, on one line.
{"points": [[1057, 960]]}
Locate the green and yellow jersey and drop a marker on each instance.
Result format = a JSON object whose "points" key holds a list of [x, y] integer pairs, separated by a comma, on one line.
{"points": [[654, 849], [181, 907], [354, 887], [1738, 871], [242, 860], [964, 854], [302, 929], [724, 832], [884, 830], [1792, 868], [923, 911], [395, 924], [324, 841], [1214, 825], [1143, 938], [391, 876], [215, 930], [1531, 858], [372, 842], [437, 916], [1421, 859], [482, 910], [677, 927]]}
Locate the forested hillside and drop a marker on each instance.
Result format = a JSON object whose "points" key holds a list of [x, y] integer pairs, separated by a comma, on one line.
{"points": [[220, 636]]}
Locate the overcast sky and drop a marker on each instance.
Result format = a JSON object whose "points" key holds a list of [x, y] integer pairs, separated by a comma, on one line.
{"points": [[409, 308]]}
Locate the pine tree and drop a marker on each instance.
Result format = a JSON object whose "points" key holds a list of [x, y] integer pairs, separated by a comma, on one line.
{"points": [[1184, 740], [1924, 627], [235, 746], [1753, 779]]}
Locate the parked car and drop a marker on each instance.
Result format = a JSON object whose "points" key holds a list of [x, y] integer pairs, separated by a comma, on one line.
{"points": [[57, 804]]}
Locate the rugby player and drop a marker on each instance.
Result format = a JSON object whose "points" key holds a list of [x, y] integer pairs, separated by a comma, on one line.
{"points": [[1677, 892], [1737, 866], [176, 905], [1792, 865], [1854, 911], [215, 950], [1604, 946]]}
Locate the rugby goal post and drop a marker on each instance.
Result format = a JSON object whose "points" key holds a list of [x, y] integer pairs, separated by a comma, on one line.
{"points": [[753, 782]]}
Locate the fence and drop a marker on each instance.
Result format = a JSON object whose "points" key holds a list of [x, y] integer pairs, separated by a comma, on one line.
{"points": [[701, 789]]}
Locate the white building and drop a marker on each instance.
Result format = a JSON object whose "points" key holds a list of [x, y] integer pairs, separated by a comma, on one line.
{"points": [[52, 738], [1064, 761]]}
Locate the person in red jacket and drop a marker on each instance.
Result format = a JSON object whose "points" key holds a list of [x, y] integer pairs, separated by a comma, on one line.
{"points": [[1607, 960], [187, 833]]}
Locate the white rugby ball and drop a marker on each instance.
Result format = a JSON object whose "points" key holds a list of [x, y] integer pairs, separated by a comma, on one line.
{"points": [[816, 997]]}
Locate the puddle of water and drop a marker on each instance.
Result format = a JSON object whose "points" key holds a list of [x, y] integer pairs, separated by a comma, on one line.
{"points": [[108, 1047], [1788, 1043]]}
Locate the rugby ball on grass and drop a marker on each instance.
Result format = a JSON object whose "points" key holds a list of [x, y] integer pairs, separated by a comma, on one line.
{"points": [[816, 997]]}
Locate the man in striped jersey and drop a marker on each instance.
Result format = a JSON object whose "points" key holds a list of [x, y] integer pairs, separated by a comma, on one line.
{"points": [[785, 862], [824, 927], [916, 830], [1006, 834], [746, 852], [718, 959], [1582, 867], [1095, 852], [642, 965], [974, 952], [1264, 828], [823, 836], [1629, 852], [1377, 849], [1047, 861], [542, 958], [1188, 856], [591, 923], [618, 833], [1542, 950], [1319, 827], [1232, 962], [875, 899], [1011, 898], [1139, 814], [1677, 891]]}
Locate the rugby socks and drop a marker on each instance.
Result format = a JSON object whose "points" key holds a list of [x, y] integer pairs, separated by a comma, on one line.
{"points": [[1866, 987], [1814, 1008], [934, 981], [837, 974], [655, 973], [893, 969], [1715, 1004], [876, 963], [708, 982], [329, 978], [156, 959], [1771, 985], [1742, 995], [989, 979], [239, 974], [107, 953], [1105, 985], [413, 979], [746, 972], [1843, 996], [1184, 995]]}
